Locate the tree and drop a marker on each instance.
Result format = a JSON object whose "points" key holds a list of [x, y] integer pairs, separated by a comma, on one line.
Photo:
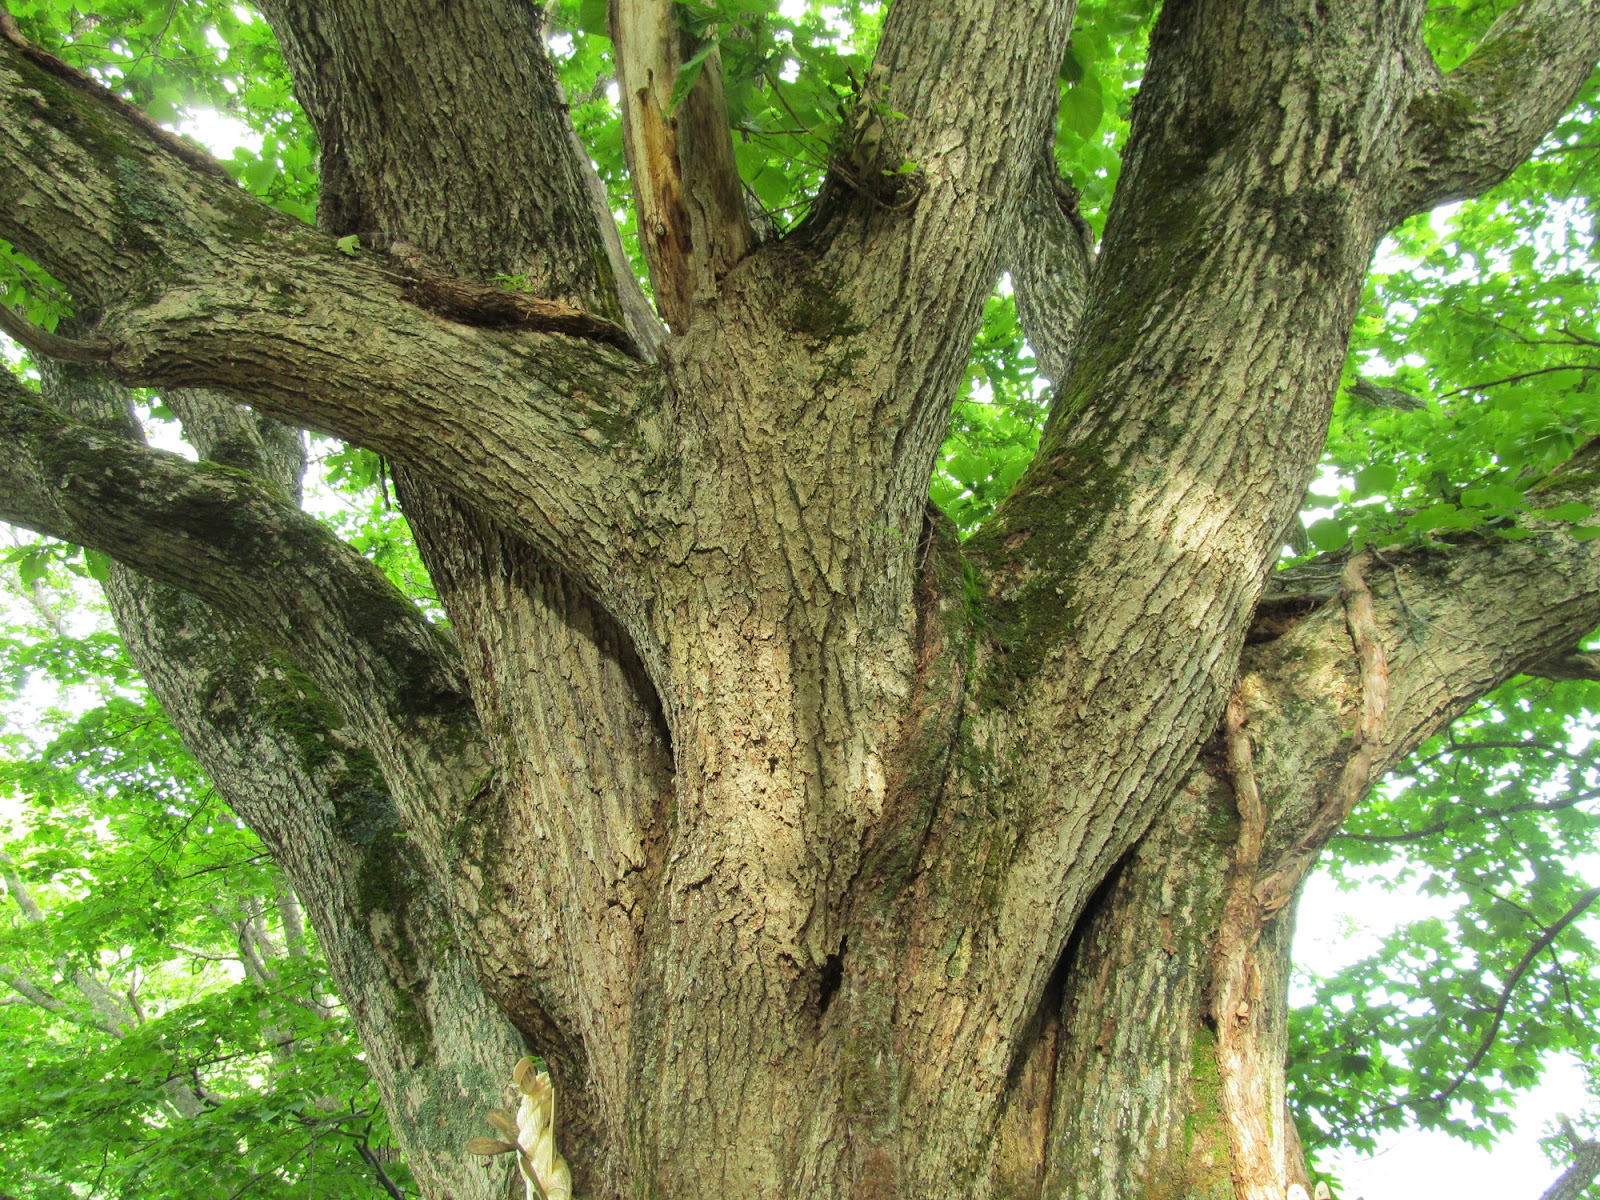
{"points": [[137, 1062], [815, 850]]}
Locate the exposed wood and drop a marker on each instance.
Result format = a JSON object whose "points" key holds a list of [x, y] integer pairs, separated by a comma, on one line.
{"points": [[693, 225], [1254, 1125], [499, 306]]}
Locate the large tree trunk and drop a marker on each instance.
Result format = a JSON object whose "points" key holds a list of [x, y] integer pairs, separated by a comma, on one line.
{"points": [[817, 854]]}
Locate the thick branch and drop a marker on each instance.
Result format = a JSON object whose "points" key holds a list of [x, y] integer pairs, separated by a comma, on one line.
{"points": [[202, 285], [426, 136], [232, 436], [220, 535], [1452, 626], [436, 1046], [692, 220], [1469, 129], [332, 807], [1050, 264], [1567, 666]]}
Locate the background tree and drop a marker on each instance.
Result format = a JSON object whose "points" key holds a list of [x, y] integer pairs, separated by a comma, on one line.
{"points": [[138, 1062], [817, 850]]}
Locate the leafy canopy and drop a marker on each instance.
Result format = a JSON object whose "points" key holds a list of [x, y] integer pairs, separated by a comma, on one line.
{"points": [[1470, 381]]}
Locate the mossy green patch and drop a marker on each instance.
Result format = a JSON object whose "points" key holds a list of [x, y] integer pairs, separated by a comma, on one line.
{"points": [[818, 312], [1041, 535], [295, 707]]}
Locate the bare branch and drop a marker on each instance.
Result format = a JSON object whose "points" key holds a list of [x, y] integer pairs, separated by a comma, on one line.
{"points": [[1469, 129], [108, 1014], [1498, 1013], [24, 900], [691, 207], [35, 995]]}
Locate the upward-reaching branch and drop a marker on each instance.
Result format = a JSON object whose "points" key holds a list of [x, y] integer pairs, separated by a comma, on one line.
{"points": [[199, 284], [692, 221], [220, 535], [1467, 130], [348, 783], [1050, 263]]}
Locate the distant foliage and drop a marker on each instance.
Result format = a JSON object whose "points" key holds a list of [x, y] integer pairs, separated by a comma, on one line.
{"points": [[169, 1026]]}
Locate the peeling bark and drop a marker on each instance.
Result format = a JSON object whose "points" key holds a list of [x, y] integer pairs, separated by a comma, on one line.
{"points": [[690, 202]]}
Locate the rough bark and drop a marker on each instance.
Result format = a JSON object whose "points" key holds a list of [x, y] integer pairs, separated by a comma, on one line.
{"points": [[817, 854], [295, 766]]}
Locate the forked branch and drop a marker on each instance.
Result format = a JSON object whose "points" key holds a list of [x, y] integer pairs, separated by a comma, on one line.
{"points": [[199, 284], [223, 536], [1469, 129]]}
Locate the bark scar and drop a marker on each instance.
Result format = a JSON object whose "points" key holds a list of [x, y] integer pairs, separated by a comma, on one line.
{"points": [[1372, 664], [491, 306]]}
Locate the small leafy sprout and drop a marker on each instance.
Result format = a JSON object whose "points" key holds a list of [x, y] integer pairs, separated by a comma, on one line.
{"points": [[349, 244]]}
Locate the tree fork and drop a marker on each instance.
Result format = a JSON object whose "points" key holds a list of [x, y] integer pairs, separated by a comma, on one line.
{"points": [[837, 920]]}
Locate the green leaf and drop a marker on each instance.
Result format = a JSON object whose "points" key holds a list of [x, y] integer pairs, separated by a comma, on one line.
{"points": [[99, 565], [349, 244], [31, 566], [1083, 107], [1573, 510], [1376, 479], [1492, 495], [1328, 534], [592, 18], [689, 73]]}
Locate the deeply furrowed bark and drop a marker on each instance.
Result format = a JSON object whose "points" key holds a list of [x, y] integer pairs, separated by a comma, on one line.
{"points": [[817, 854], [277, 751]]}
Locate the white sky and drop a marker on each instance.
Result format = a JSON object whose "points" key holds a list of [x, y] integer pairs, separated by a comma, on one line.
{"points": [[1336, 928]]}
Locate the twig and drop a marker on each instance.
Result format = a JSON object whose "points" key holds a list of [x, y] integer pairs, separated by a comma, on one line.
{"points": [[371, 1159], [1520, 744], [1518, 378], [1549, 935], [50, 345], [1412, 835]]}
